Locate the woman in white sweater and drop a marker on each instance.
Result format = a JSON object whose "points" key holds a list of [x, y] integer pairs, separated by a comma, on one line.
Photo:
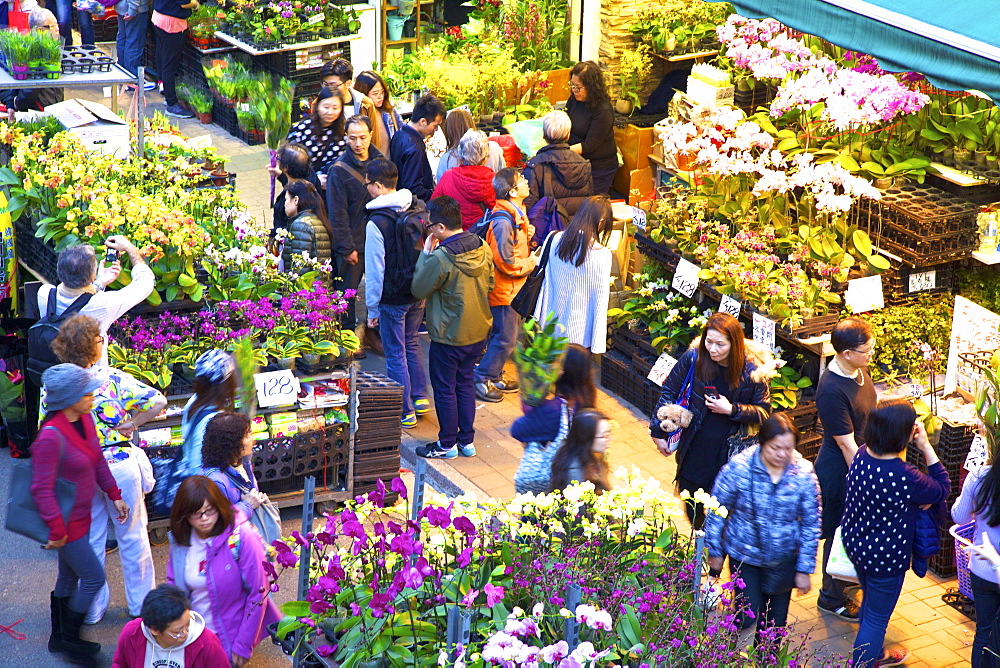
{"points": [[577, 281]]}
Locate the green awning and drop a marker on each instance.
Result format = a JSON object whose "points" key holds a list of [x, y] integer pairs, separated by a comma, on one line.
{"points": [[956, 44]]}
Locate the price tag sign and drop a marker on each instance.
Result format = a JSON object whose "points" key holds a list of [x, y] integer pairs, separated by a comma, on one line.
{"points": [[685, 278], [639, 218], [924, 280], [730, 306], [979, 455], [318, 18], [664, 364], [763, 331], [916, 390], [864, 294], [276, 388]]}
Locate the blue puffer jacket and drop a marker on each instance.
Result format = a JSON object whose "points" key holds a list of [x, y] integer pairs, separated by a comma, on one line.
{"points": [[787, 512]]}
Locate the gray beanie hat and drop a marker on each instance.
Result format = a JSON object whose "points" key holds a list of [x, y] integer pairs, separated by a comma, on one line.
{"points": [[66, 384], [215, 366]]}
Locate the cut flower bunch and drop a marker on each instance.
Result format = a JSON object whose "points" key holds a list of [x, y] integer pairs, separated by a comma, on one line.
{"points": [[382, 585]]}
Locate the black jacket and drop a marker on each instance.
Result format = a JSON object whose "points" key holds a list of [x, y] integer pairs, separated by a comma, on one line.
{"points": [[594, 129], [172, 8], [308, 235], [278, 208], [556, 171], [410, 156], [31, 98], [346, 197]]}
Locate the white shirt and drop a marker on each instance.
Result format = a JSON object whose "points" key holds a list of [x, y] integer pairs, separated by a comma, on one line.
{"points": [[104, 307], [195, 569]]}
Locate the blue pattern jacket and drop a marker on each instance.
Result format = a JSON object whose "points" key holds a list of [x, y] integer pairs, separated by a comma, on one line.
{"points": [[787, 512]]}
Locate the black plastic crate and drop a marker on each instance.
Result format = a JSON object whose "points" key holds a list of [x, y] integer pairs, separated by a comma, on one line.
{"points": [[273, 459], [984, 193], [614, 366], [284, 63], [316, 450], [809, 445], [659, 252], [896, 282], [804, 416], [34, 252]]}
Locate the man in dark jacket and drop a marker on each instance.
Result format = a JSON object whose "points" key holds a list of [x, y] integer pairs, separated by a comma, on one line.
{"points": [[346, 197], [394, 237], [456, 279], [408, 151], [556, 171]]}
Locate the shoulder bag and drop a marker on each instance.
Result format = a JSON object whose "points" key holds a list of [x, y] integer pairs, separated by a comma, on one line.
{"points": [[683, 400], [527, 297], [777, 577], [22, 513], [266, 518], [740, 440], [534, 473]]}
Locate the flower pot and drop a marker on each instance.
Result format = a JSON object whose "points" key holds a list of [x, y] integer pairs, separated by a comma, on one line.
{"points": [[19, 72], [220, 178], [980, 158], [286, 363], [624, 107], [884, 183], [208, 165], [962, 155], [52, 70], [311, 359], [205, 117], [394, 27], [948, 156], [686, 161]]}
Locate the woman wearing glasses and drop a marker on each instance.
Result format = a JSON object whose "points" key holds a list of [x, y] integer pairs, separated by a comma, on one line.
{"points": [[388, 119], [592, 134], [216, 558]]}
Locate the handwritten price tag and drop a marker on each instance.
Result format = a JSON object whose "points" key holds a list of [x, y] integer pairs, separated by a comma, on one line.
{"points": [[916, 390], [685, 278], [664, 365], [925, 280], [639, 218], [763, 331], [864, 294], [979, 455], [316, 19], [276, 388], [730, 306]]}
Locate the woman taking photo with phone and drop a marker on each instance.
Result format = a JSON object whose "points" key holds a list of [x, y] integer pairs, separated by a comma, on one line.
{"points": [[727, 391]]}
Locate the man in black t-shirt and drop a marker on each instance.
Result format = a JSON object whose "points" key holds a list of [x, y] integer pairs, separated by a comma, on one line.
{"points": [[844, 397]]}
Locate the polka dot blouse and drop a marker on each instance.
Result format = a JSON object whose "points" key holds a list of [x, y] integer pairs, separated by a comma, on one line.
{"points": [[324, 147], [883, 496]]}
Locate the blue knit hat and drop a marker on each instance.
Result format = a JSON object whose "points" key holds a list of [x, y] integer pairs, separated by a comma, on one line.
{"points": [[66, 384], [215, 366]]}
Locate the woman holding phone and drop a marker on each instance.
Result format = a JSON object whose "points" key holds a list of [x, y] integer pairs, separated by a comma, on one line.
{"points": [[728, 390]]}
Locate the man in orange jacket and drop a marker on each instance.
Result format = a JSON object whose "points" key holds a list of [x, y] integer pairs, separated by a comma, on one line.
{"points": [[508, 234]]}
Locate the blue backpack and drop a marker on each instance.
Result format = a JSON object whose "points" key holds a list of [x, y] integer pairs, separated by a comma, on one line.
{"points": [[486, 222]]}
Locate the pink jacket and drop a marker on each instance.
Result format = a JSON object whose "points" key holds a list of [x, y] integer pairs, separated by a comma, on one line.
{"points": [[205, 652], [82, 463], [240, 613]]}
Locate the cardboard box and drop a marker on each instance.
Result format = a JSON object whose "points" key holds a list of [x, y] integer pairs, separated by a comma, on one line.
{"points": [[95, 125], [636, 179]]}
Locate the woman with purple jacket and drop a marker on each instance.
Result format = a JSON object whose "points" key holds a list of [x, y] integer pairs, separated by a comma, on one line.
{"points": [[225, 459], [216, 559]]}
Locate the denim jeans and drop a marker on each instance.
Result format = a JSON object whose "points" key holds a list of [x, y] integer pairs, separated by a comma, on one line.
{"points": [[81, 575], [64, 17], [499, 346], [132, 41], [987, 608], [768, 609], [879, 596], [398, 325], [454, 390]]}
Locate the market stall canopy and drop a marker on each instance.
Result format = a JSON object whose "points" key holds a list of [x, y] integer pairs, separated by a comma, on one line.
{"points": [[956, 46]]}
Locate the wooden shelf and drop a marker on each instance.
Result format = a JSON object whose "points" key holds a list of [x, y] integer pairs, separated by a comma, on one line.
{"points": [[408, 40]]}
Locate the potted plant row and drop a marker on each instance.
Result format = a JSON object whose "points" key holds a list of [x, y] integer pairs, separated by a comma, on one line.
{"points": [[32, 55]]}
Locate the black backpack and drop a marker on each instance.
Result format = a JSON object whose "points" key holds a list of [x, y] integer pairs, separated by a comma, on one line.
{"points": [[409, 230], [43, 333]]}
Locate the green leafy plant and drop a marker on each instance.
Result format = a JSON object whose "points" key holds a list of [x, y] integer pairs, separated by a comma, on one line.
{"points": [[633, 71], [197, 99], [787, 386], [538, 358], [895, 328], [988, 404]]}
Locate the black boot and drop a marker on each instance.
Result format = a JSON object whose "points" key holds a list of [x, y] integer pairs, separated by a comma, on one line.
{"points": [[55, 613], [78, 650]]}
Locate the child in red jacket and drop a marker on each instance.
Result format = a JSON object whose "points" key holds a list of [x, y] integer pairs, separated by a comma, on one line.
{"points": [[168, 631]]}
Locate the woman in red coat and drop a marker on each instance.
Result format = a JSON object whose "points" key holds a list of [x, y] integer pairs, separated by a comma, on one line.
{"points": [[471, 183], [67, 448]]}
